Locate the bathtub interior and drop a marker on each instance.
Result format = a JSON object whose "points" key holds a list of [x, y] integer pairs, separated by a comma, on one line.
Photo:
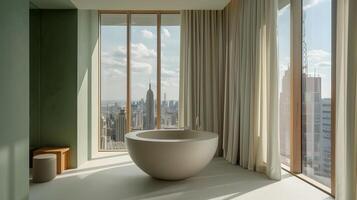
{"points": [[175, 135]]}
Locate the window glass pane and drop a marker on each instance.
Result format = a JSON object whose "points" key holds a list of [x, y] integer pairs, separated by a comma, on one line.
{"points": [[316, 91], [170, 68], [284, 79], [143, 71], [113, 82]]}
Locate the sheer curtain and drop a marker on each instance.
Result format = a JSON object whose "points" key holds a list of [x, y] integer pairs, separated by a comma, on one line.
{"points": [[228, 81], [346, 100]]}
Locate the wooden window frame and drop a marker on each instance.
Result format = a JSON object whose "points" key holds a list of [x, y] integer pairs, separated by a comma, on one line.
{"points": [[296, 28], [129, 14]]}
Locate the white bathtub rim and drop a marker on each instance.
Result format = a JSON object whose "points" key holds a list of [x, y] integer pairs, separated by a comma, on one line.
{"points": [[204, 135]]}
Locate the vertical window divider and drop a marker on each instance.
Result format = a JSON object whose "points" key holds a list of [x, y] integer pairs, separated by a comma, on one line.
{"points": [[99, 76], [128, 89], [296, 100], [333, 96], [158, 99]]}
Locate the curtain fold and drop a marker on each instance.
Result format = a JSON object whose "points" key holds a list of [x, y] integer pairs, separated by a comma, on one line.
{"points": [[346, 101], [250, 131], [228, 81], [201, 70]]}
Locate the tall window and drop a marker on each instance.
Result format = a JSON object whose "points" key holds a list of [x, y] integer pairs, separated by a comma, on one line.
{"points": [[113, 78], [170, 61], [143, 62], [316, 90], [305, 86], [284, 80], [139, 75]]}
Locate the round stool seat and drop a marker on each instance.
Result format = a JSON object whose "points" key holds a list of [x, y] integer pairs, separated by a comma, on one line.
{"points": [[44, 168]]}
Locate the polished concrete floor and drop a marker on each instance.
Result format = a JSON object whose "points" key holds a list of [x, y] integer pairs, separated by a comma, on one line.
{"points": [[116, 177]]}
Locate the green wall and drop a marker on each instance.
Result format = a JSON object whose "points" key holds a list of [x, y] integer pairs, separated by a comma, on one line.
{"points": [[14, 99], [61, 47], [54, 79], [83, 84], [35, 54]]}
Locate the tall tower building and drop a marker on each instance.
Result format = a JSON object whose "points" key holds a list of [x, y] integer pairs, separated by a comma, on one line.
{"points": [[311, 124], [150, 109], [284, 114], [121, 125], [325, 141]]}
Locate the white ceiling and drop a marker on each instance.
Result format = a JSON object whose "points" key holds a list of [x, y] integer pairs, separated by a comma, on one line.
{"points": [[132, 4]]}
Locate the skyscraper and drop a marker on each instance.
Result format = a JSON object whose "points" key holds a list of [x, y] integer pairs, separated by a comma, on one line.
{"points": [[316, 130], [311, 122], [150, 109], [121, 125], [325, 161], [284, 116]]}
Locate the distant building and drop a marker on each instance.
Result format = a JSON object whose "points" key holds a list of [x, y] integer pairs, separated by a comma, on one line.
{"points": [[311, 123], [284, 118], [150, 110], [316, 130], [113, 126], [325, 153], [120, 126], [103, 133]]}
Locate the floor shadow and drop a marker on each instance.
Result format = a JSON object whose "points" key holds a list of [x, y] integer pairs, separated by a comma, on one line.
{"points": [[219, 180], [111, 156], [75, 171]]}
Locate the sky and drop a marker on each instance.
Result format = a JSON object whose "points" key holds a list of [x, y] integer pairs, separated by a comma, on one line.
{"points": [[317, 27], [143, 60], [317, 15]]}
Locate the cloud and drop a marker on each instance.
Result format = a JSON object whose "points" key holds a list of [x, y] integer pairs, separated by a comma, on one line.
{"points": [[140, 85], [117, 56], [319, 58], [166, 32], [283, 10], [111, 61], [116, 59], [119, 72], [139, 51], [324, 64], [165, 83], [312, 3], [318, 62], [169, 73], [147, 34], [318, 53], [120, 50], [111, 73], [141, 67]]}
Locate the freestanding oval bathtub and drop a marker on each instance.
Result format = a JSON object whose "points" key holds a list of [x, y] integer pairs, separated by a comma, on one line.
{"points": [[171, 154]]}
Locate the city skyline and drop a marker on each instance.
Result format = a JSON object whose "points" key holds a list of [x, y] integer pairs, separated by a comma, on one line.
{"points": [[143, 117]]}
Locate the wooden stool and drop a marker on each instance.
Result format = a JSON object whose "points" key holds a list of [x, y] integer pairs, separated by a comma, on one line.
{"points": [[44, 168], [62, 154]]}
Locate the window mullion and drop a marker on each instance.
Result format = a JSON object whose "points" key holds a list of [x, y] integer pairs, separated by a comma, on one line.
{"points": [[158, 101], [128, 89], [296, 100]]}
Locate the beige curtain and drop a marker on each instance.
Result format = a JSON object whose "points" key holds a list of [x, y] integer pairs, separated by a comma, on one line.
{"points": [[201, 70], [250, 113], [228, 81], [346, 100]]}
